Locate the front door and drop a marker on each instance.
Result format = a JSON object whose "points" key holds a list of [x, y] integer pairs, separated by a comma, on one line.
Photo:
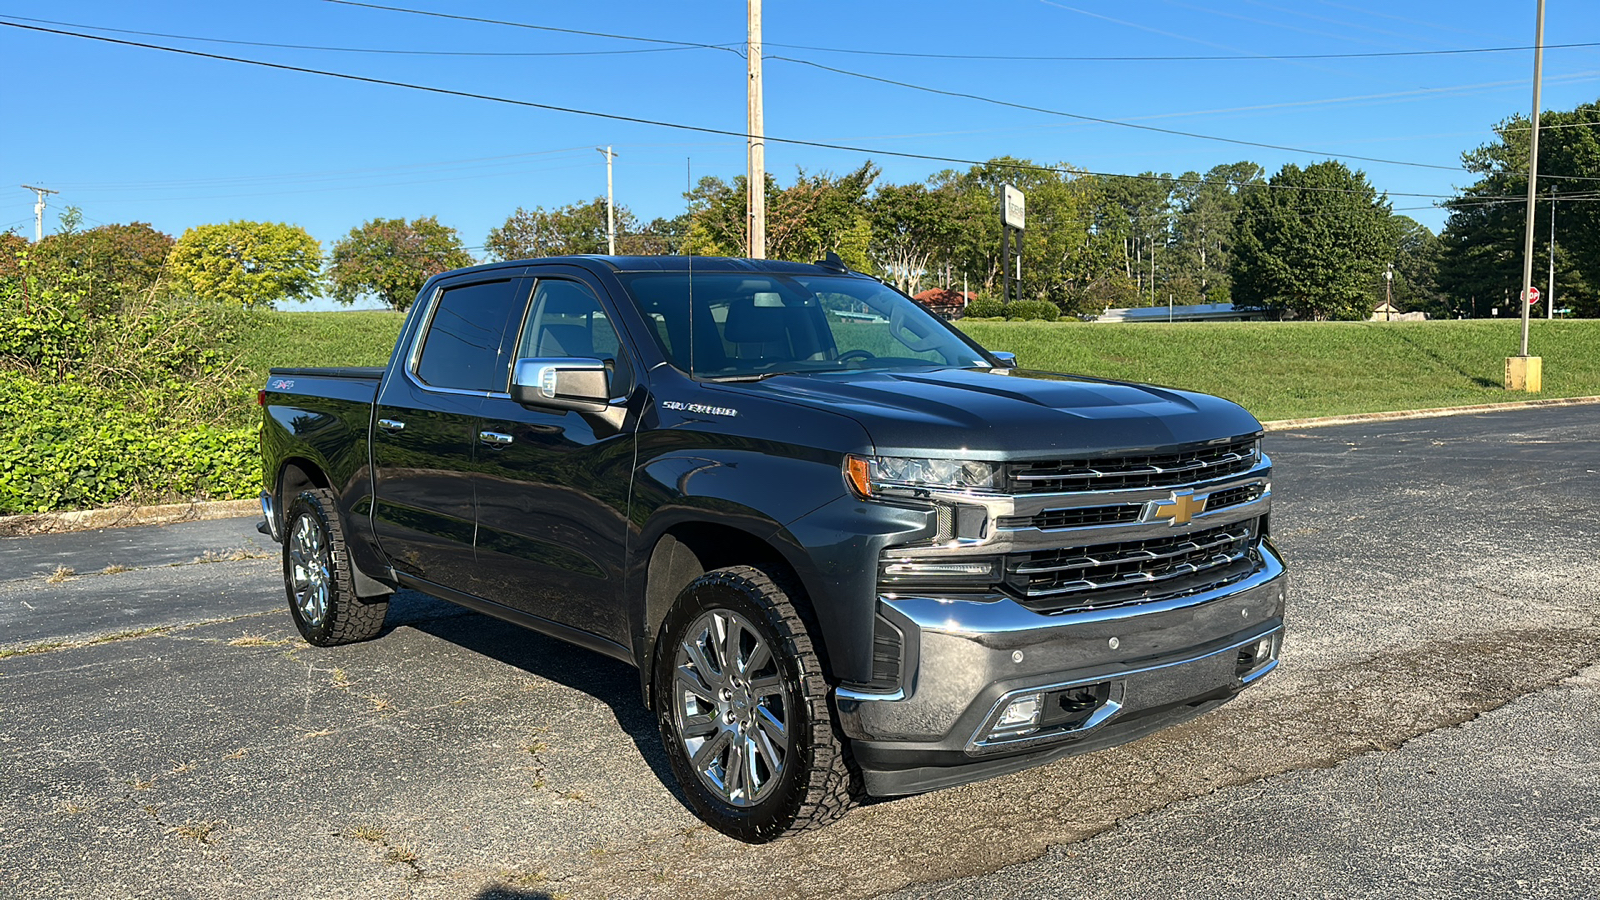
{"points": [[553, 486]]}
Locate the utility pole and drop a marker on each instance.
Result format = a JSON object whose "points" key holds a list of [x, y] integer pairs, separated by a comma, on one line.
{"points": [[38, 210], [1525, 373], [1550, 289], [757, 177], [611, 206]]}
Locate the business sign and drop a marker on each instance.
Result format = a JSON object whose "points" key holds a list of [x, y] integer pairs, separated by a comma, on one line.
{"points": [[1013, 206]]}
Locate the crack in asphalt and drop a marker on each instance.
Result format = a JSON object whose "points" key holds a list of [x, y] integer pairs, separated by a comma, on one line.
{"points": [[1376, 704]]}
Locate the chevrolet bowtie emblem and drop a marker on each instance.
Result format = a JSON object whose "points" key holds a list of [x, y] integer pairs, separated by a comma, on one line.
{"points": [[1183, 506]]}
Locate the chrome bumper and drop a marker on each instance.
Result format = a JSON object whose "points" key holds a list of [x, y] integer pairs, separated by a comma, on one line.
{"points": [[1131, 669]]}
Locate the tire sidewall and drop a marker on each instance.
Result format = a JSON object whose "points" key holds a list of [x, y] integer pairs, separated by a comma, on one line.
{"points": [[769, 818]]}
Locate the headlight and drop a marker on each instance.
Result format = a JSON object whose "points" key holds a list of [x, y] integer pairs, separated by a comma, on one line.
{"points": [[870, 475]]}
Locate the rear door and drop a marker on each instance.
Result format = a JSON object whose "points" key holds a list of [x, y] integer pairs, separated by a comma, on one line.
{"points": [[425, 438], [553, 486]]}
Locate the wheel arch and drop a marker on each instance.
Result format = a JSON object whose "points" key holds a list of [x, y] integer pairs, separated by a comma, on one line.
{"points": [[684, 551]]}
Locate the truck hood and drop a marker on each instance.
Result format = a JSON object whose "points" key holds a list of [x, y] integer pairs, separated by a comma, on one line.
{"points": [[1009, 413]]}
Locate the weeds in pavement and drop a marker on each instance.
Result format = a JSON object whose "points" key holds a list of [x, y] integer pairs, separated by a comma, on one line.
{"points": [[62, 573]]}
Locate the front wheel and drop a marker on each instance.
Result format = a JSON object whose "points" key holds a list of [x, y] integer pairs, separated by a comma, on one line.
{"points": [[743, 707], [317, 576]]}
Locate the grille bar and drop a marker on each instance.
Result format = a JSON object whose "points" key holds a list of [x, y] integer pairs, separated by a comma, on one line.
{"points": [[1107, 567], [1141, 555], [1153, 470]]}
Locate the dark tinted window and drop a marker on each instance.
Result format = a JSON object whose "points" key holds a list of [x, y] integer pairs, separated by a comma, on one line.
{"points": [[462, 347]]}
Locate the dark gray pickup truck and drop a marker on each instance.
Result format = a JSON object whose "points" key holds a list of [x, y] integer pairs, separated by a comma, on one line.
{"points": [[850, 551]]}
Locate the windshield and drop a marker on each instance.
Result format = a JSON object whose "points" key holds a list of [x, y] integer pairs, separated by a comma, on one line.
{"points": [[753, 324]]}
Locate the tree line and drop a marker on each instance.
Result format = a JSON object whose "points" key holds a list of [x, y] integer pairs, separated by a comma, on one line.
{"points": [[1312, 242]]}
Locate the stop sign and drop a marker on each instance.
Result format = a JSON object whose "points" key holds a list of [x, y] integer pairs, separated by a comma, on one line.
{"points": [[1533, 295]]}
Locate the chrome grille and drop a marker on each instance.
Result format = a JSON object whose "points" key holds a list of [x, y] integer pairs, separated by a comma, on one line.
{"points": [[1131, 571], [1081, 517], [1162, 469]]}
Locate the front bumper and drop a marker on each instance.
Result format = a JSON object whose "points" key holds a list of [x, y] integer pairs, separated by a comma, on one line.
{"points": [[1130, 670]]}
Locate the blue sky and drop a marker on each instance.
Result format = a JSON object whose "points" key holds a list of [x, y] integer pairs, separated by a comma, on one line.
{"points": [[130, 134]]}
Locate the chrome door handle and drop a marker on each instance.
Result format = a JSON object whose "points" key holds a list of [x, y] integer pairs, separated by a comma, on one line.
{"points": [[391, 424], [494, 438]]}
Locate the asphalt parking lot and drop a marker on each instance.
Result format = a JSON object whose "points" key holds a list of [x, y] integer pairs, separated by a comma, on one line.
{"points": [[1432, 732]]}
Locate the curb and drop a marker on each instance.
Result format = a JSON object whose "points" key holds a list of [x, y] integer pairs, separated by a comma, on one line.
{"points": [[1437, 413], [171, 513], [125, 517]]}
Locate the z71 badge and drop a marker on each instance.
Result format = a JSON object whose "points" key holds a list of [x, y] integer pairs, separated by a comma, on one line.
{"points": [[700, 408]]}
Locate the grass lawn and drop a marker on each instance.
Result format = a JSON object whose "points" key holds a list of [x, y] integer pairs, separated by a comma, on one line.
{"points": [[1285, 370], [1277, 370], [291, 339]]}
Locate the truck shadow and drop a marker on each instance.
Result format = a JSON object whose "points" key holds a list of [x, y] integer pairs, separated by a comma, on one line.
{"points": [[613, 683]]}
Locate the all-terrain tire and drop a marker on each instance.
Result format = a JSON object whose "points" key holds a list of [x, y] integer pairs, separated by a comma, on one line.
{"points": [[317, 575], [815, 784]]}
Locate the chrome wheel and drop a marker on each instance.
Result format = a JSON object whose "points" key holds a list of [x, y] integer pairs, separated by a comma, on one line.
{"points": [[731, 708], [310, 570]]}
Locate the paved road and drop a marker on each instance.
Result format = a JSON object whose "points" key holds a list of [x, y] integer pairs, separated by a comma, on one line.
{"points": [[1447, 577]]}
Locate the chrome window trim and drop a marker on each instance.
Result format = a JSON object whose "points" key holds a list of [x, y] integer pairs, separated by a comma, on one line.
{"points": [[414, 352]]}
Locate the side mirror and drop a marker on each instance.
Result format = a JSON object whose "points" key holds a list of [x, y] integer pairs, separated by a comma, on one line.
{"points": [[1006, 359], [581, 385]]}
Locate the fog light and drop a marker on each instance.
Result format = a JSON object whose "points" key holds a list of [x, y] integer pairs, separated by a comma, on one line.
{"points": [[1020, 716]]}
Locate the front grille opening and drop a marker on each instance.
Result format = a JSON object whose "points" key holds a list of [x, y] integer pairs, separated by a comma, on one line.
{"points": [[1133, 571], [1247, 493], [1163, 469], [1082, 517]]}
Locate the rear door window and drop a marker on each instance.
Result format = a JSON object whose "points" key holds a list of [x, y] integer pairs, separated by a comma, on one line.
{"points": [[462, 349]]}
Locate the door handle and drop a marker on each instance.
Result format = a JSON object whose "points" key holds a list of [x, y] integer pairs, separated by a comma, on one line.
{"points": [[494, 438], [391, 424]]}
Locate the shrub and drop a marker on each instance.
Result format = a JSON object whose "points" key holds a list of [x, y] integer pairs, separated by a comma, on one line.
{"points": [[983, 307], [1027, 310], [129, 399]]}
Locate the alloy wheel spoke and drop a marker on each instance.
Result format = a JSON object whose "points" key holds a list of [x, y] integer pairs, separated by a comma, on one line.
{"points": [[691, 681], [752, 778], [770, 727], [760, 657], [710, 751], [702, 666], [767, 686], [733, 771]]}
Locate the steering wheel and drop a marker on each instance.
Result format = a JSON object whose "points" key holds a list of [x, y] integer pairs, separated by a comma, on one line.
{"points": [[857, 354]]}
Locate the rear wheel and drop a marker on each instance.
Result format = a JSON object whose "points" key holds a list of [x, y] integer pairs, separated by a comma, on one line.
{"points": [[317, 575], [743, 708]]}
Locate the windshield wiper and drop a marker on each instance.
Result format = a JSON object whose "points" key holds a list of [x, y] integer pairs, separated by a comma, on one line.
{"points": [[758, 376]]}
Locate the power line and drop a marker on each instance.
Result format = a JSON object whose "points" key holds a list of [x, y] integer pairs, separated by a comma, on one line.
{"points": [[1123, 124], [925, 89], [702, 129], [602, 34], [1279, 57], [377, 50]]}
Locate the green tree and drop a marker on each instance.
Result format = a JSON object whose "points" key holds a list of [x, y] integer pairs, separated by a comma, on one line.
{"points": [[566, 230], [391, 259], [1416, 269], [248, 264], [1203, 230], [816, 214], [1314, 244], [913, 228], [107, 262], [1481, 258]]}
